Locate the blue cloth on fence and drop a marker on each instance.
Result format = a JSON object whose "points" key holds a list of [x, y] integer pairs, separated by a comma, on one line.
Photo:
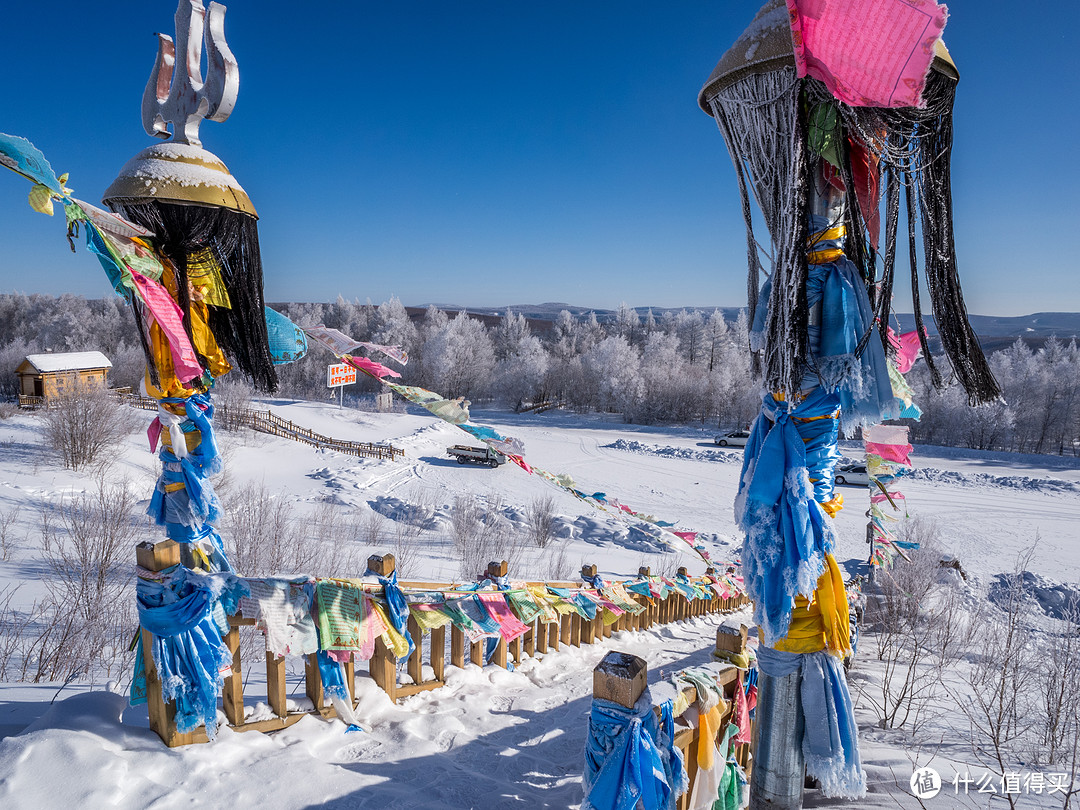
{"points": [[475, 611], [830, 738], [188, 651], [787, 533], [563, 593], [333, 676], [397, 605], [593, 582], [628, 761], [586, 607], [641, 588], [194, 505]]}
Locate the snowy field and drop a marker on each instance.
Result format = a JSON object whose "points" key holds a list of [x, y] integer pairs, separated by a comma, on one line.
{"points": [[491, 738]]}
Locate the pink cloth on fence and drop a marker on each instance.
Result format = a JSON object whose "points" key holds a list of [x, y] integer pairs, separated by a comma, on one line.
{"points": [[509, 625], [742, 713], [169, 319], [341, 656], [370, 629], [896, 453], [868, 54], [689, 537]]}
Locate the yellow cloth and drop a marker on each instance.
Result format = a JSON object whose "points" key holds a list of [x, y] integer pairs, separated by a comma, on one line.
{"points": [[833, 505], [204, 341], [823, 623], [708, 726], [204, 275], [429, 619], [394, 641], [548, 612]]}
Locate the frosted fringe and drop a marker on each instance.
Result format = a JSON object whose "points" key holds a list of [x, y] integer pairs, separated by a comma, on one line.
{"points": [[837, 780]]}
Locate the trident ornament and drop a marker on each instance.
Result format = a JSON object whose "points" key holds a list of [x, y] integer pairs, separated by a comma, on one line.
{"points": [[177, 92]]}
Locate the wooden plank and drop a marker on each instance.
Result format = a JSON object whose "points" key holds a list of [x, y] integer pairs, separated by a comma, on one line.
{"points": [[566, 622], [384, 669], [232, 693], [275, 684], [408, 689], [515, 650], [457, 647], [499, 658], [530, 640], [350, 678], [415, 665], [476, 653], [575, 629], [438, 652], [313, 681], [554, 631], [541, 631]]}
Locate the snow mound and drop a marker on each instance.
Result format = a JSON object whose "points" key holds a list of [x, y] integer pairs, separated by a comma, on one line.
{"points": [[983, 480], [631, 446], [1055, 599]]}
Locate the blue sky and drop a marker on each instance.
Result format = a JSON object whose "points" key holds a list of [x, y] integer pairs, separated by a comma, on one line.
{"points": [[495, 153]]}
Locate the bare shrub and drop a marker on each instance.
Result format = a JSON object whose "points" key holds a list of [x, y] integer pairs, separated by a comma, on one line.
{"points": [[232, 398], [540, 520], [996, 700], [82, 626], [83, 423], [917, 629], [87, 542], [8, 518], [481, 534], [1057, 691], [558, 565], [8, 409], [265, 537]]}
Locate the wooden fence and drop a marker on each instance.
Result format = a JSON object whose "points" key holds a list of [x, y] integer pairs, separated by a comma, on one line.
{"points": [[623, 681], [258, 420], [430, 650]]}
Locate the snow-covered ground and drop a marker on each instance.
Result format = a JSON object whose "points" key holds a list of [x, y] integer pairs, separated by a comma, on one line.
{"points": [[490, 738]]}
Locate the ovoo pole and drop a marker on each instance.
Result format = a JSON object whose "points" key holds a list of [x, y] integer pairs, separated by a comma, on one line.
{"points": [[210, 314], [827, 113]]}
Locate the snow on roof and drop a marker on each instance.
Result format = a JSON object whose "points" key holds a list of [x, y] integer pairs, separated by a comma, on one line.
{"points": [[68, 361]]}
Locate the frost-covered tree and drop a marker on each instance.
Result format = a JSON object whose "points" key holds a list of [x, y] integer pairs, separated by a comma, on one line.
{"points": [[459, 358], [615, 369]]}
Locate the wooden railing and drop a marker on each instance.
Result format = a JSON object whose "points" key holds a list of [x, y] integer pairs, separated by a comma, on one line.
{"points": [[623, 681], [430, 649], [260, 421]]}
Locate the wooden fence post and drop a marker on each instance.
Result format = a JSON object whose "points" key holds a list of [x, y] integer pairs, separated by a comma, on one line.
{"points": [[620, 678], [157, 557]]}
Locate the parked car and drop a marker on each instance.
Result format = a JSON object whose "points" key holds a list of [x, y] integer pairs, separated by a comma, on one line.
{"points": [[853, 474], [737, 438], [477, 455]]}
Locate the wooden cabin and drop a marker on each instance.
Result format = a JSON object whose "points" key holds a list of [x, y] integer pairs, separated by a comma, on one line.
{"points": [[45, 375]]}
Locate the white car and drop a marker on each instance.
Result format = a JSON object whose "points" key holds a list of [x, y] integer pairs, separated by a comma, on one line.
{"points": [[737, 438], [853, 474]]}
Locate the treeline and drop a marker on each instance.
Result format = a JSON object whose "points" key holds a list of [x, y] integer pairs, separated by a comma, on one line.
{"points": [[687, 366]]}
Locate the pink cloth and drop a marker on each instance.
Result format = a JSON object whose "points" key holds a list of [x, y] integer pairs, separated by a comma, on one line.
{"points": [[153, 433], [907, 351], [509, 625], [896, 453], [169, 319], [370, 629], [869, 54], [376, 370], [689, 537], [742, 713], [896, 496]]}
